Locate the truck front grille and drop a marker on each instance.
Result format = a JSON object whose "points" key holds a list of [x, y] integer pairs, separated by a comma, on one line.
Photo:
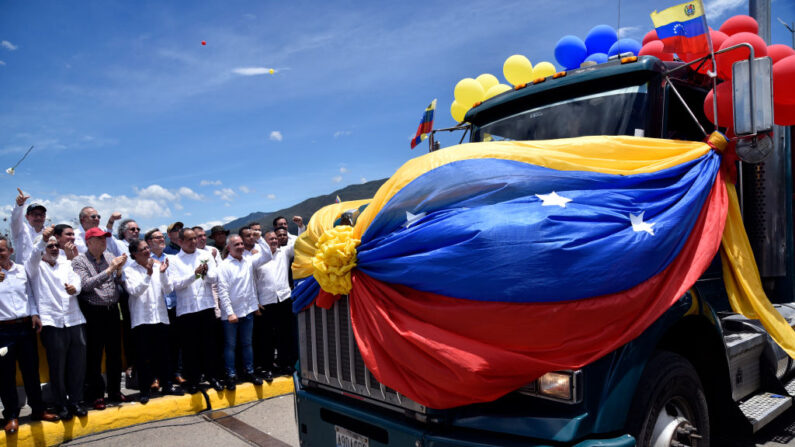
{"points": [[331, 359]]}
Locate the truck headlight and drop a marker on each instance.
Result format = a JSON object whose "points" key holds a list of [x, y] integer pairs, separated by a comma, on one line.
{"points": [[561, 386]]}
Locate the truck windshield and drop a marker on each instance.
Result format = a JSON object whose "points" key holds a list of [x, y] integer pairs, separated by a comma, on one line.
{"points": [[623, 111]]}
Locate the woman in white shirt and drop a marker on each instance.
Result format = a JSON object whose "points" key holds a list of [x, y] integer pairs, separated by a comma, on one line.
{"points": [[147, 283]]}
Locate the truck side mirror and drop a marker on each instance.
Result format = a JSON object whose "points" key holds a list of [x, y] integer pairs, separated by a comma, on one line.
{"points": [[753, 103]]}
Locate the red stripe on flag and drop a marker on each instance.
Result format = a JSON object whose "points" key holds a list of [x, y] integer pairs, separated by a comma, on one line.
{"points": [[686, 45], [445, 352]]}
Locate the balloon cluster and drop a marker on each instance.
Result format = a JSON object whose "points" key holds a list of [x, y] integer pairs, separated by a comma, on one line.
{"points": [[601, 42], [517, 70]]}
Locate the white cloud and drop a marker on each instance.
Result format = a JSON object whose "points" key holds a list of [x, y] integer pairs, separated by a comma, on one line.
{"points": [[272, 196], [363, 180], [336, 178], [276, 136], [211, 223], [188, 193], [8, 45], [253, 71], [244, 189], [179, 207], [210, 182], [717, 8], [157, 192], [2, 63], [226, 194], [342, 133], [628, 31], [343, 170]]}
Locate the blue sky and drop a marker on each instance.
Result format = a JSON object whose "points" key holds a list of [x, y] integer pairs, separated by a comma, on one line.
{"points": [[129, 112]]}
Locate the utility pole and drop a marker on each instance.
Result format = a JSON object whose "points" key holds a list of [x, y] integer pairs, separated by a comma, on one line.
{"points": [[791, 29], [760, 10]]}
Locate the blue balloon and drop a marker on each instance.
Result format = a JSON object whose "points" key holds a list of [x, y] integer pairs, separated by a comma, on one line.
{"points": [[623, 46], [599, 58], [600, 38], [570, 51]]}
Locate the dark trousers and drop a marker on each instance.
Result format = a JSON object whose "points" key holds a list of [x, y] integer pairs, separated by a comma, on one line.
{"points": [[264, 340], [286, 334], [103, 332], [20, 339], [128, 341], [66, 357], [174, 349], [200, 345], [151, 344]]}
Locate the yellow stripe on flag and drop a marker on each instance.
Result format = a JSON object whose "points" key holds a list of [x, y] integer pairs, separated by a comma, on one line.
{"points": [[677, 13]]}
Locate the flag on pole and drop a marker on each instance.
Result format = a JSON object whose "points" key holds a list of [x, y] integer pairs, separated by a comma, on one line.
{"points": [[337, 200], [683, 28], [426, 124]]}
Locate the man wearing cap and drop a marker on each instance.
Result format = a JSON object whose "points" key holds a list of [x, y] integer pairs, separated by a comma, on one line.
{"points": [[173, 238], [218, 236], [25, 229], [100, 274], [19, 321], [55, 286]]}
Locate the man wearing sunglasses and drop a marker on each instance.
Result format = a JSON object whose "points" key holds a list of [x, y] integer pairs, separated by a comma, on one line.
{"points": [[89, 218]]}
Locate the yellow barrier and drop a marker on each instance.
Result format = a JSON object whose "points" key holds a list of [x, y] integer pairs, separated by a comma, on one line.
{"points": [[167, 407]]}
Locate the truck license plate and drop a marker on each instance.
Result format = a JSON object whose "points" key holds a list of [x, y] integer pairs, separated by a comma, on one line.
{"points": [[347, 438]]}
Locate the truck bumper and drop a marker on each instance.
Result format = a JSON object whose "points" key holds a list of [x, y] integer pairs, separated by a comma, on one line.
{"points": [[318, 417]]}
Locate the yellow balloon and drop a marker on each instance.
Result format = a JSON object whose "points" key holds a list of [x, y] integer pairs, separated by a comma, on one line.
{"points": [[543, 69], [458, 111], [517, 70], [496, 90], [487, 81], [468, 91]]}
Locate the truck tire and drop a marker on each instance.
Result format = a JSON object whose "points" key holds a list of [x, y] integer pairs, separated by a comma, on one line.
{"points": [[669, 407]]}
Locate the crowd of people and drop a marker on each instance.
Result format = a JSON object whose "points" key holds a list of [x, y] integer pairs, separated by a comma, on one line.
{"points": [[201, 311]]}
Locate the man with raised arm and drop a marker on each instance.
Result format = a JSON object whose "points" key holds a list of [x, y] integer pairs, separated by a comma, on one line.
{"points": [[55, 286], [25, 228]]}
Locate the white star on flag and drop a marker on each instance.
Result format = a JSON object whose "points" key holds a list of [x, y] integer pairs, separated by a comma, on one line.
{"points": [[639, 225], [411, 218], [553, 199]]}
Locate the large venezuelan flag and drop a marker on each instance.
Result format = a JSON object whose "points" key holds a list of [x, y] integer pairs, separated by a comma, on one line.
{"points": [[482, 266], [683, 28]]}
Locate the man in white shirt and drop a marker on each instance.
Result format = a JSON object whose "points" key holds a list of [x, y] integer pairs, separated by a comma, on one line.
{"points": [[237, 294], [147, 283], [25, 229], [192, 274], [89, 218], [286, 330], [19, 322], [65, 235], [264, 339], [55, 287], [281, 222]]}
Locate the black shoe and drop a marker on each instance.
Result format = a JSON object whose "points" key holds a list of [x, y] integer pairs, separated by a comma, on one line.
{"points": [[231, 383], [250, 377], [173, 390], [144, 399], [64, 413], [190, 388], [216, 384], [78, 410], [267, 375]]}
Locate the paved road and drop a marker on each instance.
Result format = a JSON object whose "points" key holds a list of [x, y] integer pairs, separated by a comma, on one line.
{"points": [[271, 422]]}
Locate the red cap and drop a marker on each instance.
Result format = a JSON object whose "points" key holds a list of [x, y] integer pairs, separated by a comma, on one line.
{"points": [[96, 232]]}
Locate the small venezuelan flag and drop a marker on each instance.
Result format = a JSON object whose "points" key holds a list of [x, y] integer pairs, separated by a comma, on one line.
{"points": [[426, 124], [683, 28], [337, 200]]}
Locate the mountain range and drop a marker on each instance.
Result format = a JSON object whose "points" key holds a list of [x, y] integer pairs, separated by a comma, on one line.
{"points": [[308, 207]]}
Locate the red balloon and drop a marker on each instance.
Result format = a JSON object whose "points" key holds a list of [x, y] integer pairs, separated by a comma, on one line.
{"points": [[784, 114], [725, 60], [718, 38], [725, 106], [651, 35], [778, 52], [784, 80], [740, 24], [656, 48], [204, 43]]}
